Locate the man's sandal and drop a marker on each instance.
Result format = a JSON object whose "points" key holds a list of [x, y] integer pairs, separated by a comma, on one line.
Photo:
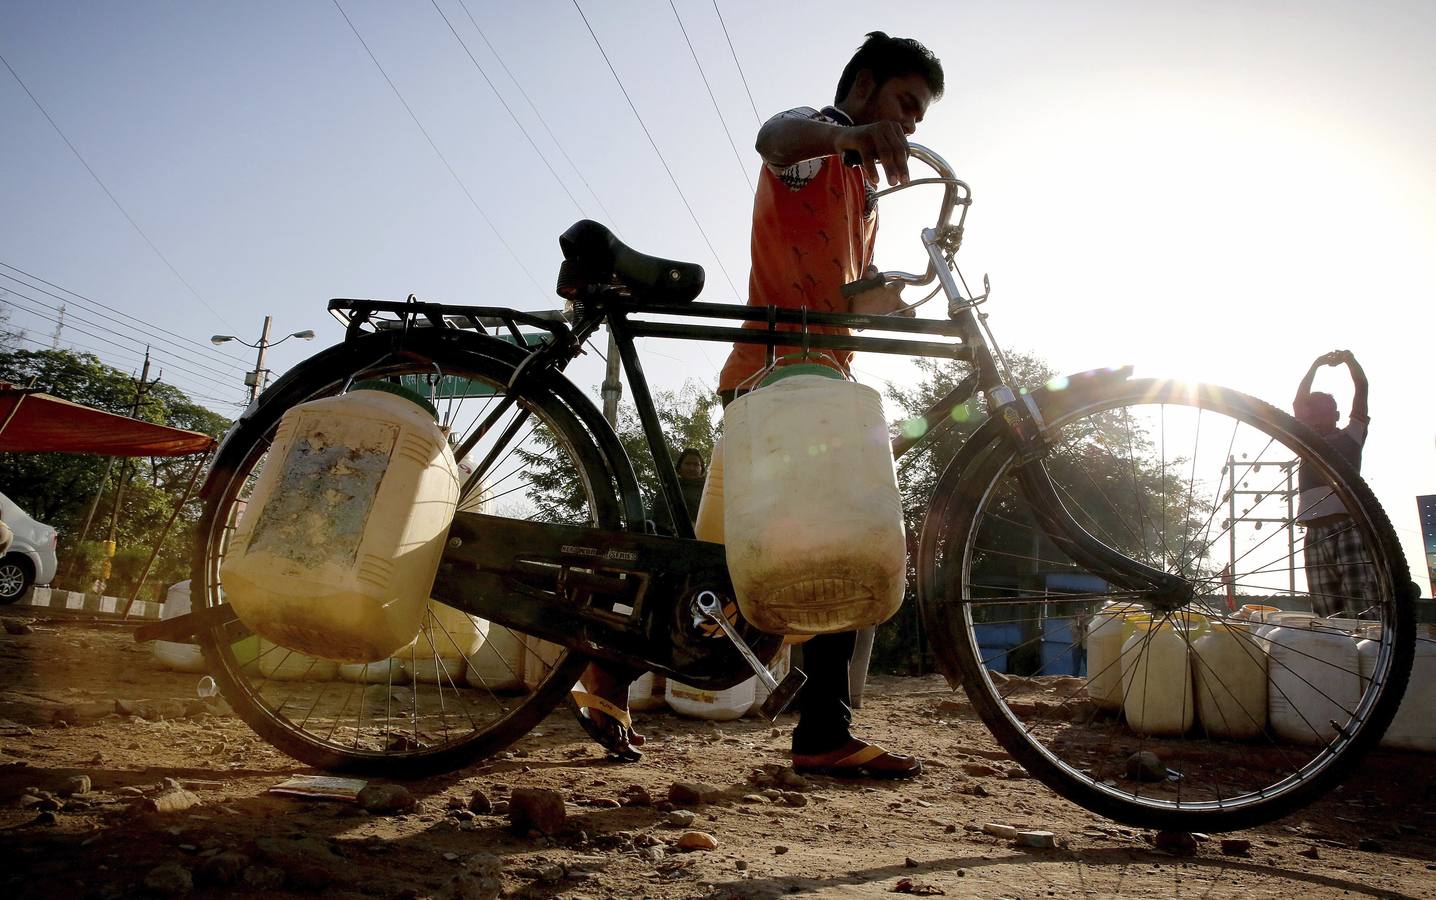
{"points": [[858, 759], [614, 732]]}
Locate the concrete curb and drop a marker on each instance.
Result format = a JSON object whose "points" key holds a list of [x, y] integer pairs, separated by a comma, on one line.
{"points": [[74, 601]]}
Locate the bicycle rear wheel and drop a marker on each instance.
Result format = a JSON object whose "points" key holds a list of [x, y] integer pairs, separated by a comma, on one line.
{"points": [[1077, 677], [437, 705]]}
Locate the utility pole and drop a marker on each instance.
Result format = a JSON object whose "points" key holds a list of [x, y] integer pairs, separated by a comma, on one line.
{"points": [[255, 380], [141, 388]]}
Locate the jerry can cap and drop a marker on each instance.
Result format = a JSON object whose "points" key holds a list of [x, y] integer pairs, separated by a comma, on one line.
{"points": [[398, 390]]}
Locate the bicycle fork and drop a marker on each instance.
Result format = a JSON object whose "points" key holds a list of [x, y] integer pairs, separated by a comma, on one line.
{"points": [[1165, 590]]}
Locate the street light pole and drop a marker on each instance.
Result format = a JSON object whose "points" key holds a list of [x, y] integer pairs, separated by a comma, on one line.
{"points": [[255, 380], [258, 372]]}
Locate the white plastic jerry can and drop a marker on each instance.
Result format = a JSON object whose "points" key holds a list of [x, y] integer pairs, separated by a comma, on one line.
{"points": [[1314, 681], [179, 656], [701, 703], [280, 663], [1414, 727], [1157, 681], [812, 514], [384, 671], [1230, 669], [498, 664], [1106, 633], [447, 638], [338, 546]]}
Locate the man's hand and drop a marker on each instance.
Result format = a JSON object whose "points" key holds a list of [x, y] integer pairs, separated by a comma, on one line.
{"points": [[1336, 358], [882, 143], [879, 301]]}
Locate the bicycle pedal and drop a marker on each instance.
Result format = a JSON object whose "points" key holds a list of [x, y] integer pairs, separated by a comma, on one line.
{"points": [[783, 695]]}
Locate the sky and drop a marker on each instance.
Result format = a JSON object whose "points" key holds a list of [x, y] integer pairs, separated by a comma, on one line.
{"points": [[1215, 191]]}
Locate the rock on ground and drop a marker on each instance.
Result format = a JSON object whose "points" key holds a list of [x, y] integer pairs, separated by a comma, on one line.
{"points": [[536, 809]]}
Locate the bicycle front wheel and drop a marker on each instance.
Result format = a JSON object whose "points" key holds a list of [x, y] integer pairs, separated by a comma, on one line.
{"points": [[465, 688], [1220, 709]]}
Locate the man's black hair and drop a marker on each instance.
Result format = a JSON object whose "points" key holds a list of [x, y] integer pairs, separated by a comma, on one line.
{"points": [[891, 57]]}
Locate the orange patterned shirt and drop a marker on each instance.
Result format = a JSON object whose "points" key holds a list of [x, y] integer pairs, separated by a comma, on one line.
{"points": [[814, 224]]}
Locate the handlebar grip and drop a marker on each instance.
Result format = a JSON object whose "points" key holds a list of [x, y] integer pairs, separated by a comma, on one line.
{"points": [[853, 288]]}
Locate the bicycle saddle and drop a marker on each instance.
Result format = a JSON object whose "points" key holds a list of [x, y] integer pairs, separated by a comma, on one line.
{"points": [[593, 255]]}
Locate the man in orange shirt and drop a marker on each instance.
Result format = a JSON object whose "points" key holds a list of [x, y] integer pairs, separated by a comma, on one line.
{"points": [[815, 220], [814, 224]]}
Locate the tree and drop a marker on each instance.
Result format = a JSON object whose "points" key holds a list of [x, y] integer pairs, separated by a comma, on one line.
{"points": [[687, 421], [1100, 458], [57, 488]]}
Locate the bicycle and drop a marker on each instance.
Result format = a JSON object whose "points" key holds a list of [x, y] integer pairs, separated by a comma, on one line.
{"points": [[1059, 498]]}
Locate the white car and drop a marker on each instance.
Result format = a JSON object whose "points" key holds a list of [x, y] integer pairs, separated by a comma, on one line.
{"points": [[31, 557]]}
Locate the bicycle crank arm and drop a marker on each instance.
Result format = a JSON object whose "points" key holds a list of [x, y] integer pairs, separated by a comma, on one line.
{"points": [[779, 695]]}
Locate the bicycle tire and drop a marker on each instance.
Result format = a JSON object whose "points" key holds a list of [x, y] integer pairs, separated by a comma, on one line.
{"points": [[549, 400], [975, 509]]}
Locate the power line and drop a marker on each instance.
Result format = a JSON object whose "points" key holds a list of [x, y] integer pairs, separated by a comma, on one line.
{"points": [[504, 103], [149, 338], [206, 376], [611, 218], [757, 118], [463, 187], [111, 195], [654, 144], [101, 337], [225, 355], [719, 112], [101, 355]]}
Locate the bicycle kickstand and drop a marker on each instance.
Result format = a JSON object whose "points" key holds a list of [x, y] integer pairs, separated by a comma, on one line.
{"points": [[780, 694]]}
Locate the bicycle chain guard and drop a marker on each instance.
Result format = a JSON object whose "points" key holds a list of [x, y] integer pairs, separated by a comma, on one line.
{"points": [[561, 583]]}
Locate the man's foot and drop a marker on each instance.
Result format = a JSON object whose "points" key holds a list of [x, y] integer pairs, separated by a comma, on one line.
{"points": [[858, 759], [600, 701]]}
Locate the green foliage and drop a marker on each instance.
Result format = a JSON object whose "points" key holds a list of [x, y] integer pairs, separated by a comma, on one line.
{"points": [[58, 488], [686, 416]]}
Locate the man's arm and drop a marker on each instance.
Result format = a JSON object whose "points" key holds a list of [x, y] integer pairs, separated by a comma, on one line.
{"points": [[786, 140], [1358, 379], [1303, 390]]}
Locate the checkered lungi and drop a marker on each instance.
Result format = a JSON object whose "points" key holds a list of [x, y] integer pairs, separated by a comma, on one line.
{"points": [[1340, 575]]}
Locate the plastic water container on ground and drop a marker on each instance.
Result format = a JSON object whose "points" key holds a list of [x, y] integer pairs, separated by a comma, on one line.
{"points": [[1157, 681], [1314, 680], [1105, 636], [447, 638], [282, 664], [337, 548], [498, 665], [1414, 727], [1229, 667], [646, 693], [812, 513], [385, 671], [721, 706], [176, 655], [857, 667]]}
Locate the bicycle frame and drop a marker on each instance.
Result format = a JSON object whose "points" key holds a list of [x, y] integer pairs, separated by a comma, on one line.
{"points": [[629, 318]]}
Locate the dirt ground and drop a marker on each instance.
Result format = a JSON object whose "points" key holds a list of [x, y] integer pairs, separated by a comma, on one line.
{"points": [[1372, 837]]}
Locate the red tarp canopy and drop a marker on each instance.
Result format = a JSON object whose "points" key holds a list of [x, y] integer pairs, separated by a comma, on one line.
{"points": [[33, 422]]}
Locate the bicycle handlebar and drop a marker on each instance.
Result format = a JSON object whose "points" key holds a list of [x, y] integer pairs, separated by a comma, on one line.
{"points": [[956, 193]]}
